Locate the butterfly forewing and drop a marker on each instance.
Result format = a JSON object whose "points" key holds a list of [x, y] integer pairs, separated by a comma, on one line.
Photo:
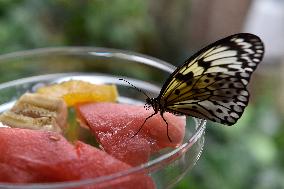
{"points": [[212, 83]]}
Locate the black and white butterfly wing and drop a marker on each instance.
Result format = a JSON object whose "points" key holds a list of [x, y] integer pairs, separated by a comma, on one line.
{"points": [[212, 83]]}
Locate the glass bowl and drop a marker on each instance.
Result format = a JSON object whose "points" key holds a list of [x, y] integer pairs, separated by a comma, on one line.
{"points": [[24, 71]]}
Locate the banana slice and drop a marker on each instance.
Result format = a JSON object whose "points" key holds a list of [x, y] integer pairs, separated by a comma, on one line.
{"points": [[36, 111], [20, 121]]}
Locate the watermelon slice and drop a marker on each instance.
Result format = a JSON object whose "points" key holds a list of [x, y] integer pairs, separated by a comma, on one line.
{"points": [[35, 155], [114, 125], [94, 163], [29, 156]]}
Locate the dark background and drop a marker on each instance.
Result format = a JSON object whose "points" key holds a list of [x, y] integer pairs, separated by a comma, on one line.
{"points": [[247, 155]]}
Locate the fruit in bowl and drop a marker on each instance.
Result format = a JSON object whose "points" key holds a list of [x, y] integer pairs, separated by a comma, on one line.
{"points": [[34, 150]]}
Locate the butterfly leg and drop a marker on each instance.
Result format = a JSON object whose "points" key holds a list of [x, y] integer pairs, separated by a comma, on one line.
{"points": [[143, 124], [161, 113]]}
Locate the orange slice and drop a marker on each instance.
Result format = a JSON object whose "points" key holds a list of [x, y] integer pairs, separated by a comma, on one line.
{"points": [[75, 92]]}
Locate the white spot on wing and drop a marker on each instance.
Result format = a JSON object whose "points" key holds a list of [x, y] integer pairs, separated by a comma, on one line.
{"points": [[237, 66], [250, 51], [235, 115], [245, 45], [239, 40], [223, 54], [219, 49], [230, 60]]}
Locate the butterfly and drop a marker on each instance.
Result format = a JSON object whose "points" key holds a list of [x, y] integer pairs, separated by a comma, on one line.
{"points": [[212, 84]]}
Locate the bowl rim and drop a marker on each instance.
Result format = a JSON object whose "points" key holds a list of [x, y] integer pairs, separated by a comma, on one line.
{"points": [[97, 51], [153, 164]]}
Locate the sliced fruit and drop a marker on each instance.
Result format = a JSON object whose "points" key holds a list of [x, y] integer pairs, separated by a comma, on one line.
{"points": [[94, 163], [115, 124], [20, 121], [29, 156], [36, 111], [35, 154], [75, 92]]}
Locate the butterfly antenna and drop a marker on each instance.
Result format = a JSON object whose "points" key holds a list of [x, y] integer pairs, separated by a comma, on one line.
{"points": [[134, 87]]}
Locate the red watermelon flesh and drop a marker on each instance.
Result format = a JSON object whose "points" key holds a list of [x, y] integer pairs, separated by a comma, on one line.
{"points": [[94, 163], [114, 125], [29, 156], [33, 156]]}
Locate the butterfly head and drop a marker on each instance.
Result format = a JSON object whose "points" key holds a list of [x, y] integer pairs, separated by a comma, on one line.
{"points": [[154, 103]]}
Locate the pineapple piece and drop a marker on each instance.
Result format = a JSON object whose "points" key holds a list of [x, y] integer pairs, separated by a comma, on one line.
{"points": [[75, 92]]}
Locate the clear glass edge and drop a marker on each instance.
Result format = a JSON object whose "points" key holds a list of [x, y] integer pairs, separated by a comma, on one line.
{"points": [[123, 54]]}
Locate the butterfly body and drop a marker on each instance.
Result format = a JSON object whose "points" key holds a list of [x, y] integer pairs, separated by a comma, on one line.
{"points": [[212, 84]]}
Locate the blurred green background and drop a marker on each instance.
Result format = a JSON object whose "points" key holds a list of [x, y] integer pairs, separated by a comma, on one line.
{"points": [[247, 155]]}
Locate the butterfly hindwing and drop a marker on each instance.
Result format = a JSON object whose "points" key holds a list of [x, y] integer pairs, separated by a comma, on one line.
{"points": [[212, 83]]}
